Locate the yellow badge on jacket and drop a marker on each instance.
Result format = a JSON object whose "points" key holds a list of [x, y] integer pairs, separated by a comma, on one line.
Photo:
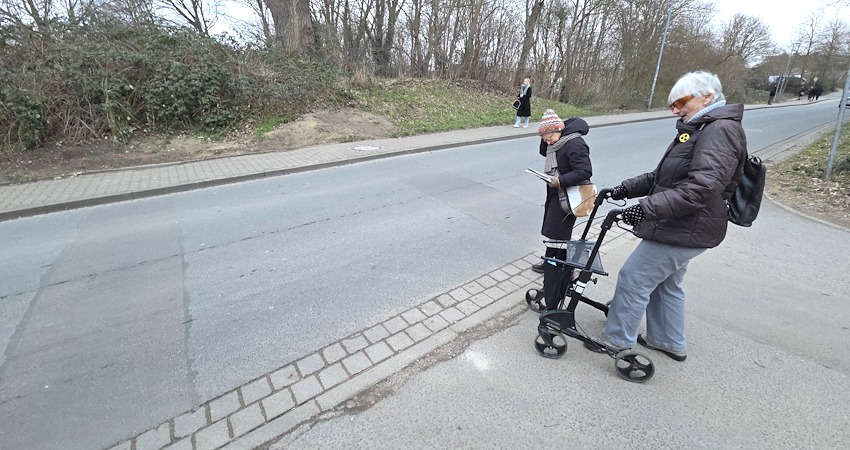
{"points": [[684, 137]]}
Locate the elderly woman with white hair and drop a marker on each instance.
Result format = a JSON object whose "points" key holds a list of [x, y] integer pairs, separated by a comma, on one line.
{"points": [[681, 214]]}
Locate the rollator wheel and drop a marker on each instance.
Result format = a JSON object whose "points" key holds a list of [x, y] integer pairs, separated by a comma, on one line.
{"points": [[554, 351], [633, 366], [534, 299]]}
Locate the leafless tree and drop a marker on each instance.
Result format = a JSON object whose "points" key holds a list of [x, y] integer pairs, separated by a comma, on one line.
{"points": [[579, 42], [440, 32], [745, 37], [576, 50], [192, 12], [533, 10], [382, 34], [417, 57], [832, 48], [261, 17], [638, 27], [342, 26], [141, 12], [470, 58], [36, 12]]}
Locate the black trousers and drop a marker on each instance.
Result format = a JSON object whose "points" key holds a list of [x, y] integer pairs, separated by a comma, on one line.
{"points": [[556, 280]]}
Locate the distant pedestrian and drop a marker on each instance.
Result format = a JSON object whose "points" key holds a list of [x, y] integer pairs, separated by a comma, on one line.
{"points": [[681, 214], [524, 97], [772, 94], [817, 92]]}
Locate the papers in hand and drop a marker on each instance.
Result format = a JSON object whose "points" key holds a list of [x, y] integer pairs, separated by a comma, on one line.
{"points": [[540, 175]]}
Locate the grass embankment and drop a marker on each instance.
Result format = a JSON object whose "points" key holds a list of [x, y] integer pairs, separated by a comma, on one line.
{"points": [[430, 106], [801, 176]]}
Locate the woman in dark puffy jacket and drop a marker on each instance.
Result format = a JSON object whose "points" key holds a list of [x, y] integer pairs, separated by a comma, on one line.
{"points": [[524, 97], [568, 163], [682, 213]]}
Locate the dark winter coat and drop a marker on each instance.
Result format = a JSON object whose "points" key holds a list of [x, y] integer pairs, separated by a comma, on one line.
{"points": [[573, 168], [524, 103], [684, 203]]}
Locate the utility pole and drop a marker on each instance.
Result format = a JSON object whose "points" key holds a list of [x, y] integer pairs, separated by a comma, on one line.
{"points": [[660, 52], [827, 174], [784, 80]]}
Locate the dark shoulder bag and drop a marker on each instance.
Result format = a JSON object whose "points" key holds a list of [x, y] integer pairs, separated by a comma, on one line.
{"points": [[743, 197], [745, 200]]}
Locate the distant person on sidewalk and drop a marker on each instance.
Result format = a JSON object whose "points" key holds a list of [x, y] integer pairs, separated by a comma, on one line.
{"points": [[772, 94], [524, 97], [682, 214], [568, 163]]}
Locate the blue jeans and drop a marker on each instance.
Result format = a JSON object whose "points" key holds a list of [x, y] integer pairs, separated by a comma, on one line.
{"points": [[518, 119], [651, 282]]}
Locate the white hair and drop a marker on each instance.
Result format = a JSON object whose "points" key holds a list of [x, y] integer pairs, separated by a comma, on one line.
{"points": [[699, 84]]}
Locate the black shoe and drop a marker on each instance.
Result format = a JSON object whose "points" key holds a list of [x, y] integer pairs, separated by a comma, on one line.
{"points": [[538, 267], [678, 356]]}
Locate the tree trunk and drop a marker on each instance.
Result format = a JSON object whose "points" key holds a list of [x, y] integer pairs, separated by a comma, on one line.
{"points": [[471, 50], [528, 40], [264, 23], [382, 41], [293, 26], [417, 57]]}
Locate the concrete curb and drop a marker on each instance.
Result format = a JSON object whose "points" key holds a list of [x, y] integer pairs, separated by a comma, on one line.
{"points": [[802, 214]]}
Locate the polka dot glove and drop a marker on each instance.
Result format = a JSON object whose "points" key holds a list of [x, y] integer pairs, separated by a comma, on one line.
{"points": [[619, 192], [633, 215]]}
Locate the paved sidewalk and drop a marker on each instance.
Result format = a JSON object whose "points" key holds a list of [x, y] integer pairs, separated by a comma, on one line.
{"points": [[766, 367]]}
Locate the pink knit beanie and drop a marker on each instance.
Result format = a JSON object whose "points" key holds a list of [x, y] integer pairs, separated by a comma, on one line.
{"points": [[550, 122]]}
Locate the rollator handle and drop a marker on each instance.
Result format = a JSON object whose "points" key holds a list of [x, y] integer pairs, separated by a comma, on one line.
{"points": [[603, 194], [611, 217]]}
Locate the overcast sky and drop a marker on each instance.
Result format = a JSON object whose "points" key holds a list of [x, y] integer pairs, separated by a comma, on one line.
{"points": [[778, 15]]}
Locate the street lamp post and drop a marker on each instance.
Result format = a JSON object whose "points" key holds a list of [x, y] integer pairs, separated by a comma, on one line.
{"points": [[827, 174], [660, 53], [784, 80]]}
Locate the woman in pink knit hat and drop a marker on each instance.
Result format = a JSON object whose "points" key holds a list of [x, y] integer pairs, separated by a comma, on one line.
{"points": [[568, 163]]}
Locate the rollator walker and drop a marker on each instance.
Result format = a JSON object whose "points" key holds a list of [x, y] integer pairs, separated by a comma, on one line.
{"points": [[582, 256]]}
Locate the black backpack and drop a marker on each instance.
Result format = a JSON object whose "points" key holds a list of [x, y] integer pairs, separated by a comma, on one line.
{"points": [[745, 201]]}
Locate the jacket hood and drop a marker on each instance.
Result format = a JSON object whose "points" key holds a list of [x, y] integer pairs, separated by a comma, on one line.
{"points": [[575, 125]]}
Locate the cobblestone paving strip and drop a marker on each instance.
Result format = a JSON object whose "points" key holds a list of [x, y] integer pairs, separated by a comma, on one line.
{"points": [[275, 403]]}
